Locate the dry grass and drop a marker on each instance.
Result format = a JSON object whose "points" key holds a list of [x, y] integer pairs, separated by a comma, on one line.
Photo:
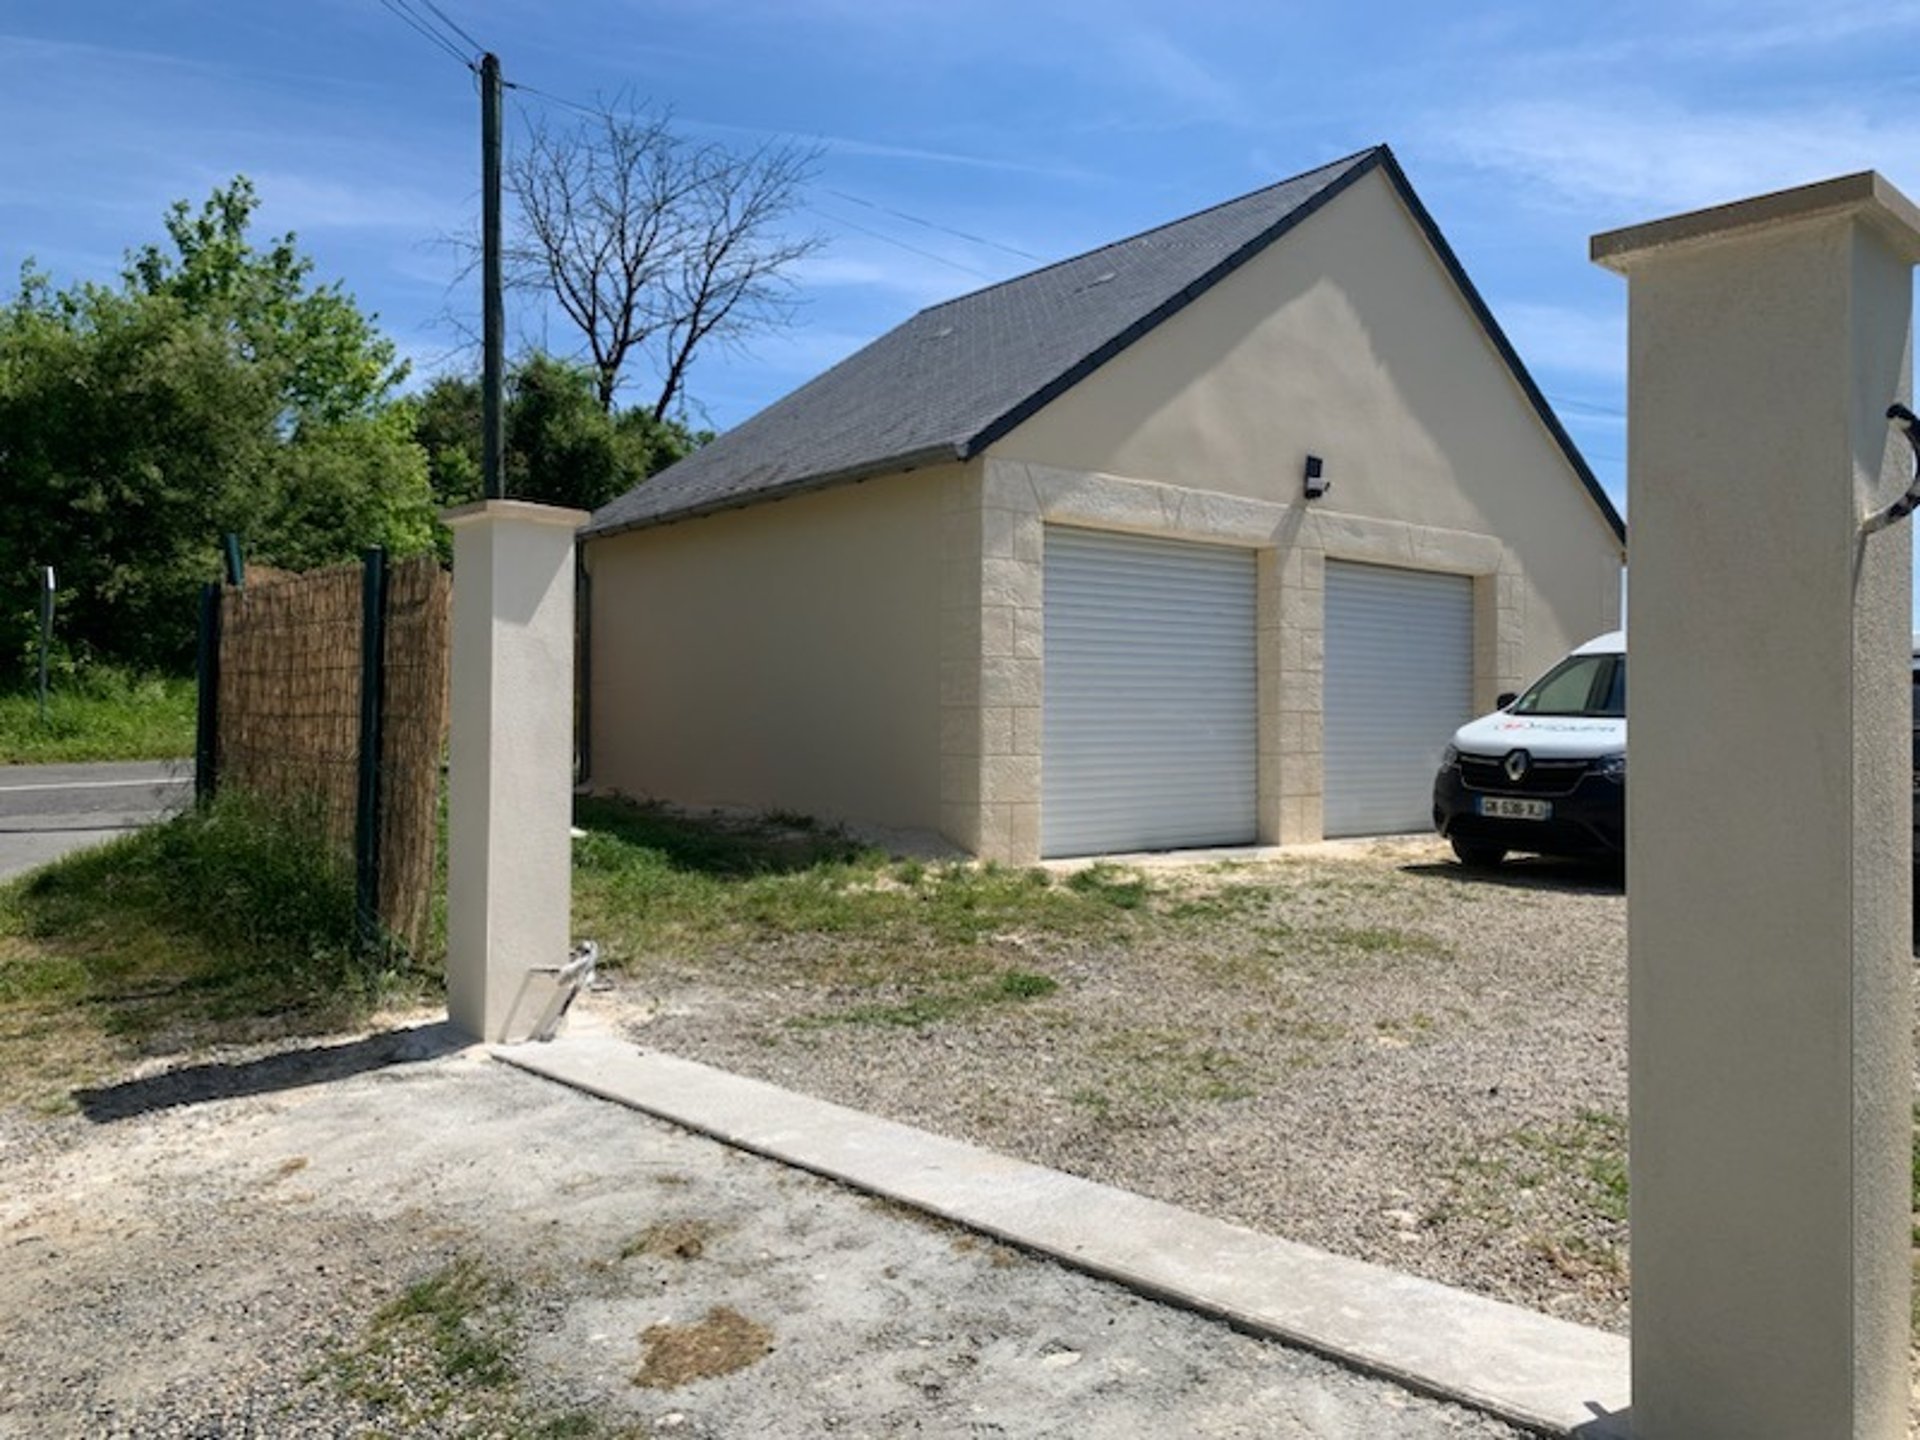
{"points": [[720, 1343]]}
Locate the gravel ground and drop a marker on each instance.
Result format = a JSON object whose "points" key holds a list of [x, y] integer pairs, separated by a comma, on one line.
{"points": [[389, 1236], [1368, 1049]]}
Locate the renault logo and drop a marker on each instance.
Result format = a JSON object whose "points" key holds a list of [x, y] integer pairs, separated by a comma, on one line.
{"points": [[1516, 765]]}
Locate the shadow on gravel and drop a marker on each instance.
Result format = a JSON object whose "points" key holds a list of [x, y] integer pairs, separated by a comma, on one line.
{"points": [[284, 1070], [1533, 872]]}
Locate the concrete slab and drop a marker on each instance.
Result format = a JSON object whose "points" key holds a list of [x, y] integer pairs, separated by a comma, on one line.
{"points": [[1526, 1368]]}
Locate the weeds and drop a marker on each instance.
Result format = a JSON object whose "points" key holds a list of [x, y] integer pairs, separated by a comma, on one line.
{"points": [[1149, 1072], [1558, 1186], [918, 1011], [237, 912], [99, 713], [649, 881], [1123, 889], [445, 1355]]}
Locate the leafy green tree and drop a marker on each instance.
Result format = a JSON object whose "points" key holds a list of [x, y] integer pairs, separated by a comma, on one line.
{"points": [[215, 389], [561, 447]]}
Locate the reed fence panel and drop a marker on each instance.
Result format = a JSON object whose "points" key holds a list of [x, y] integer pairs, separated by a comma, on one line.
{"points": [[288, 722]]}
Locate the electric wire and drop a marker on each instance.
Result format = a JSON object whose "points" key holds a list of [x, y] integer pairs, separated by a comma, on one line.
{"points": [[936, 225], [1590, 407], [902, 244], [409, 18], [455, 26], [553, 99], [600, 112]]}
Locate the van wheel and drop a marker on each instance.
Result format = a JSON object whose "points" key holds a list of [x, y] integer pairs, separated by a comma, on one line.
{"points": [[1478, 854]]}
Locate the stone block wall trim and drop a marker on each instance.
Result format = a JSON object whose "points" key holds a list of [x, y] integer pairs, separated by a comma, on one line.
{"points": [[994, 626]]}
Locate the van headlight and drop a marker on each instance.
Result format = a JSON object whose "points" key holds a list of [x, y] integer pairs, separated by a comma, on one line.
{"points": [[1449, 758], [1612, 767]]}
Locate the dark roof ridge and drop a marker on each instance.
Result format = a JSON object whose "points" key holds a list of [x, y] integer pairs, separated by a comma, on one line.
{"points": [[1365, 153]]}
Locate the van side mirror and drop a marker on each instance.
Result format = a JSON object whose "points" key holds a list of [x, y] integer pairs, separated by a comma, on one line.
{"points": [[1507, 697]]}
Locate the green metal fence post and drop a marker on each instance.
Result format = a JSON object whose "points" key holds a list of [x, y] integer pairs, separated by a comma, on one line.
{"points": [[206, 740], [373, 671]]}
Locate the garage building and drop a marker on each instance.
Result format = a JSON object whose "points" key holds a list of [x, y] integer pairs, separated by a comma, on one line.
{"points": [[1044, 570]]}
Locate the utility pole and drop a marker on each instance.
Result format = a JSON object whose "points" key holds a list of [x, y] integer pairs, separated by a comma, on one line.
{"points": [[494, 325]]}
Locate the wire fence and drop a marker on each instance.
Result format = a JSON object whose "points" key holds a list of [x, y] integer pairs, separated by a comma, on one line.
{"points": [[289, 724]]}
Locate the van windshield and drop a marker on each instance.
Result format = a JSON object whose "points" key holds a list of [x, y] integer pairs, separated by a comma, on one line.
{"points": [[1591, 686]]}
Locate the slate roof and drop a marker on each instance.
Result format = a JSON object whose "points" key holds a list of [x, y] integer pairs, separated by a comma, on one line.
{"points": [[959, 375]]}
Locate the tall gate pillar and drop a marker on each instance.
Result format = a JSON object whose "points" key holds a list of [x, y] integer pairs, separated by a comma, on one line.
{"points": [[510, 764], [1768, 876]]}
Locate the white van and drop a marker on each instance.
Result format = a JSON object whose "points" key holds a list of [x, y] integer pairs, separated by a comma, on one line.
{"points": [[1547, 771]]}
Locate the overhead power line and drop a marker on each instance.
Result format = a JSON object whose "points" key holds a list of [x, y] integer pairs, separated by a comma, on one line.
{"points": [[936, 225], [422, 25], [455, 26], [597, 112], [891, 240]]}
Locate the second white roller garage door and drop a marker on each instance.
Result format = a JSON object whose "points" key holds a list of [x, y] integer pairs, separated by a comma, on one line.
{"points": [[1399, 682]]}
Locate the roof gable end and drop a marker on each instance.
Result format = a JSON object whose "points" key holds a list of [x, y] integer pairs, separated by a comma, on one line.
{"points": [[961, 374]]}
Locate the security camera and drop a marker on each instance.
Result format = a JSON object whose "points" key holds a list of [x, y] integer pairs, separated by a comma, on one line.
{"points": [[1317, 482]]}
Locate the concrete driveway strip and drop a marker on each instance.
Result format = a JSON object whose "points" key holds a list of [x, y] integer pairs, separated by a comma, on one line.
{"points": [[1523, 1367]]}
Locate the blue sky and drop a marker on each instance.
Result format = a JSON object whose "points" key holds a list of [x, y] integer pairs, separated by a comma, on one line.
{"points": [[1042, 128]]}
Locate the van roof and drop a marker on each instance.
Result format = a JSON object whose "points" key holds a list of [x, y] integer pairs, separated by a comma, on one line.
{"points": [[1614, 642]]}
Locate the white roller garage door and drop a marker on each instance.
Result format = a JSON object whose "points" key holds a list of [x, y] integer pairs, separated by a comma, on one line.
{"points": [[1149, 717], [1399, 682]]}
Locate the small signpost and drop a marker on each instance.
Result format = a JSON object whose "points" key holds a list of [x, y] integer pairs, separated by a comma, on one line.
{"points": [[46, 635]]}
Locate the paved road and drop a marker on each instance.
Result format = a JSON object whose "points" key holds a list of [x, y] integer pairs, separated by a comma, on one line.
{"points": [[48, 810]]}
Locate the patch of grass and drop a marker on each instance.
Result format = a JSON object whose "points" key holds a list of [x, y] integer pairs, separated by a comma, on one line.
{"points": [[445, 1355], [1119, 887], [1149, 1071], [1564, 1188], [1026, 985], [224, 922], [1379, 940], [1234, 899], [648, 881], [457, 1309], [99, 713], [954, 997]]}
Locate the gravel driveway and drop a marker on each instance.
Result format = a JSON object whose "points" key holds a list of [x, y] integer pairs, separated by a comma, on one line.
{"points": [[1366, 1048], [390, 1236]]}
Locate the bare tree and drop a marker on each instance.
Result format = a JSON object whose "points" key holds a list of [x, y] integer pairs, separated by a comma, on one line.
{"points": [[653, 245]]}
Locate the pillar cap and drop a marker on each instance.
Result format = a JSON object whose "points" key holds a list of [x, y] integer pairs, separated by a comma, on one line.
{"points": [[524, 511], [1867, 195]]}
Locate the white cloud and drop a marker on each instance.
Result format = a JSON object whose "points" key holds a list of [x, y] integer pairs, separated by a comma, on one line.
{"points": [[1149, 59], [1635, 157]]}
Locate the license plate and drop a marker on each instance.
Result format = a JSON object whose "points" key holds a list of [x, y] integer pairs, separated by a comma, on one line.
{"points": [[1499, 807]]}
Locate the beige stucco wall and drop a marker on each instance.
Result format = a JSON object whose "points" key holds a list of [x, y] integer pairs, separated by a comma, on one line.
{"points": [[874, 651], [781, 656], [1348, 340]]}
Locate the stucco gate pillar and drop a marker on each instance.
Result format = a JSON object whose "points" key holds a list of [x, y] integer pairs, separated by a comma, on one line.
{"points": [[510, 764], [1767, 824]]}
